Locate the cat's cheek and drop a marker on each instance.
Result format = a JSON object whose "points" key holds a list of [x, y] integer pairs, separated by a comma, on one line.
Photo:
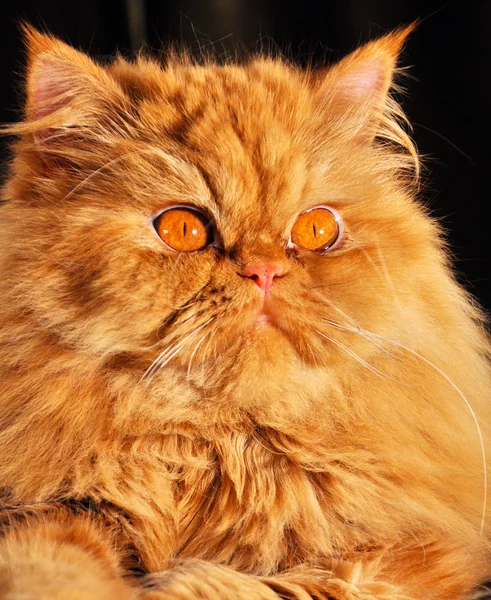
{"points": [[186, 281], [120, 305]]}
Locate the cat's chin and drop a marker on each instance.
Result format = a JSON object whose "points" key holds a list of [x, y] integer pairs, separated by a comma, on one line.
{"points": [[266, 327], [271, 336], [264, 331], [263, 319]]}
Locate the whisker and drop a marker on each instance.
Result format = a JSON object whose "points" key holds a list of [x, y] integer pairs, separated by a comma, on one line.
{"points": [[169, 353], [371, 336], [194, 353], [189, 336], [354, 355], [160, 357], [386, 276], [101, 169], [189, 304], [170, 160], [337, 309], [471, 410], [360, 332], [205, 353], [338, 325]]}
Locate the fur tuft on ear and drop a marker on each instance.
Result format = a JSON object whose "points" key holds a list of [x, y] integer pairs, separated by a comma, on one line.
{"points": [[357, 88], [65, 88]]}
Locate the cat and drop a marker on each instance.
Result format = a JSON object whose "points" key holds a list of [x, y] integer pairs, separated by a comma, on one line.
{"points": [[235, 362]]}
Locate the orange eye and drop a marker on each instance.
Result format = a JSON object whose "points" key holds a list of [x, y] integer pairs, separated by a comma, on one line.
{"points": [[316, 229], [184, 229]]}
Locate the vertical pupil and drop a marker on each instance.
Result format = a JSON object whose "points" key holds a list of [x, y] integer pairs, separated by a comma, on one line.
{"points": [[184, 228], [315, 230]]}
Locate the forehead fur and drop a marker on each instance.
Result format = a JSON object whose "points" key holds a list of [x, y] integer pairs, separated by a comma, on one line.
{"points": [[244, 127], [264, 89]]}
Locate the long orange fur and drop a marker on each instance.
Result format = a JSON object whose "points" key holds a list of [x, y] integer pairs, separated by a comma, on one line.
{"points": [[339, 454]]}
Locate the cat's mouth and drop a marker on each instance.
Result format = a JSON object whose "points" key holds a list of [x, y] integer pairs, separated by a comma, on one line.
{"points": [[264, 318], [265, 315]]}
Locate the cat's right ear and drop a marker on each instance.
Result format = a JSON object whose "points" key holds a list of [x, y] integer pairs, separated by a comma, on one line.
{"points": [[67, 92]]}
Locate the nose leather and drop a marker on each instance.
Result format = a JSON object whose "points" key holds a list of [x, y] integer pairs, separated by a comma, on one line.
{"points": [[263, 274]]}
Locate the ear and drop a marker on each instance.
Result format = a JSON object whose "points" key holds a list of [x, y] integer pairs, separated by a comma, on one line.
{"points": [[355, 92], [66, 90]]}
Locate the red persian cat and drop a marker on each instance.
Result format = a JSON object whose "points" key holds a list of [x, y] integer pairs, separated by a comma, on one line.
{"points": [[235, 363]]}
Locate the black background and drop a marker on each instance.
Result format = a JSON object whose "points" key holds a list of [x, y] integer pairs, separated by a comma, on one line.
{"points": [[448, 89]]}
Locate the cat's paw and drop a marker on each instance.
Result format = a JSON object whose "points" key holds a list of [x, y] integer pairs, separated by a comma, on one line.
{"points": [[200, 580], [48, 580], [326, 589], [219, 583]]}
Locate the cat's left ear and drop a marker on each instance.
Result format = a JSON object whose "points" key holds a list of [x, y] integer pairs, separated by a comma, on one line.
{"points": [[354, 92]]}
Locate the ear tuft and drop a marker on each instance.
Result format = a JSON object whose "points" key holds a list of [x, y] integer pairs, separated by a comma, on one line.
{"points": [[357, 87], [36, 42], [60, 77]]}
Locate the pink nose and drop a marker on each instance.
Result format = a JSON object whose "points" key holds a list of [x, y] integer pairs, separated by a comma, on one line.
{"points": [[263, 274]]}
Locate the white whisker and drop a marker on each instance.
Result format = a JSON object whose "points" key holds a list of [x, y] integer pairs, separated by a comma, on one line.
{"points": [[370, 336], [194, 352], [170, 160], [162, 361], [353, 354], [337, 309], [153, 367], [360, 332], [471, 410], [169, 353], [101, 169], [160, 357], [205, 353], [386, 277]]}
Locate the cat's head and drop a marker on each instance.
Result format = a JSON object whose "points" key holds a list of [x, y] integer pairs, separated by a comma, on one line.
{"points": [[232, 222]]}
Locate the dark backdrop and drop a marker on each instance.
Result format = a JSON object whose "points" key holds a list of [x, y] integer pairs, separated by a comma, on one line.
{"points": [[448, 93]]}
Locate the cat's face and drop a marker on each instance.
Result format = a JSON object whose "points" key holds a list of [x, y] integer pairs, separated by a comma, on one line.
{"points": [[244, 154]]}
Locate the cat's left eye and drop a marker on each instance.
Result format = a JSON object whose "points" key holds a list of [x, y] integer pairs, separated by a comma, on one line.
{"points": [[184, 229], [318, 229]]}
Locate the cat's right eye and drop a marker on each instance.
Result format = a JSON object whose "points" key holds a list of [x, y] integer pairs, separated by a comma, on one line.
{"points": [[184, 229]]}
